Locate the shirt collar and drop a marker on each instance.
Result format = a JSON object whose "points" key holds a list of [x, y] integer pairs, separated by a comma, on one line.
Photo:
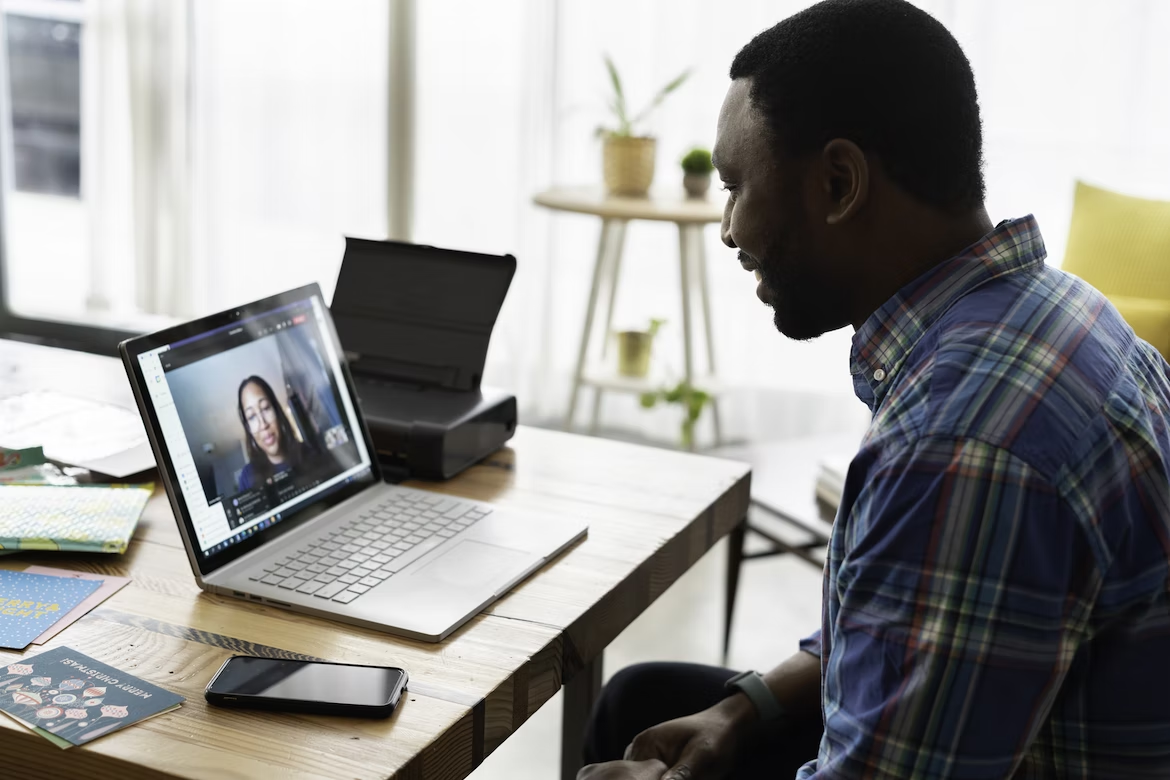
{"points": [[886, 338]]}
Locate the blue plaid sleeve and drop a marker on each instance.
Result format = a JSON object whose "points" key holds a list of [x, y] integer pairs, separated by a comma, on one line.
{"points": [[962, 600], [812, 643]]}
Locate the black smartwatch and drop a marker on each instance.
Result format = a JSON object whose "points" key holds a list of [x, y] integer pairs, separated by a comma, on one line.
{"points": [[752, 685]]}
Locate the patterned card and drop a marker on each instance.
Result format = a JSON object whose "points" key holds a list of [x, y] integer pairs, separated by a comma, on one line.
{"points": [[31, 603], [84, 518], [69, 698], [20, 459], [109, 586]]}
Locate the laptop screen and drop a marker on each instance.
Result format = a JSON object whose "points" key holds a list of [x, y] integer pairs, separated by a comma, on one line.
{"points": [[257, 421]]}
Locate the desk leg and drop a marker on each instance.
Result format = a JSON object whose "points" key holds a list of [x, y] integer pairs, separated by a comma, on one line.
{"points": [[614, 270], [598, 274], [581, 693], [684, 264], [734, 559]]}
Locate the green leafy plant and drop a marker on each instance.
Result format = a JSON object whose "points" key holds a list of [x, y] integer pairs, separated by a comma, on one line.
{"points": [[697, 160], [625, 122], [692, 400], [655, 324]]}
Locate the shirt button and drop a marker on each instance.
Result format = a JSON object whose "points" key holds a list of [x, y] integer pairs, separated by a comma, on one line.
{"points": [[879, 375]]}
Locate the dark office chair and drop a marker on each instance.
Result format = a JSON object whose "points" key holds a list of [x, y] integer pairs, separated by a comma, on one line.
{"points": [[784, 478], [811, 551]]}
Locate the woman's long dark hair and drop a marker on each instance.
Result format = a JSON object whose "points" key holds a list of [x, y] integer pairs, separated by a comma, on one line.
{"points": [[294, 451]]}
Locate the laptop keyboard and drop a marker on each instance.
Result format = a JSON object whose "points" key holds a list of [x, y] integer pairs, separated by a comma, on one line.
{"points": [[372, 547]]}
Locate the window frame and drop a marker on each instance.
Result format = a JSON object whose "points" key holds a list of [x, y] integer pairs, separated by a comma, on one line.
{"points": [[76, 335], [60, 333]]}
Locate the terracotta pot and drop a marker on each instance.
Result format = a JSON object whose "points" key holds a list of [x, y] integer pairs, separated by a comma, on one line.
{"points": [[696, 184], [628, 165], [634, 353]]}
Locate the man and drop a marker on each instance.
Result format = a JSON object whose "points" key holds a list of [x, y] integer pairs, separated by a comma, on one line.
{"points": [[995, 600]]}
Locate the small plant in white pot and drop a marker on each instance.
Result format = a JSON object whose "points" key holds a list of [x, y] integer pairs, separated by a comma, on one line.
{"points": [[627, 156], [697, 168]]}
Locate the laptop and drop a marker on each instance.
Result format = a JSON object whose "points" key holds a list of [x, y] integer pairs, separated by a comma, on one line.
{"points": [[274, 481]]}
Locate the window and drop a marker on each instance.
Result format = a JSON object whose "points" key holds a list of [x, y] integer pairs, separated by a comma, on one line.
{"points": [[44, 56], [168, 159], [45, 210]]}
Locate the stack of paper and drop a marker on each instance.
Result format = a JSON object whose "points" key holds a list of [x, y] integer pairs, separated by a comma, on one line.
{"points": [[70, 699], [101, 437], [831, 478]]}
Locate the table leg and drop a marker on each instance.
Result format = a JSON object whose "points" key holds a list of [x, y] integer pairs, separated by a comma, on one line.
{"points": [[591, 307], [615, 266], [581, 694], [705, 298], [614, 269], [735, 542], [684, 264]]}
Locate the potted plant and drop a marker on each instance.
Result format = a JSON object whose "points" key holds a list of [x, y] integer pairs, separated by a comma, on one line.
{"points": [[697, 167], [692, 400], [627, 157], [634, 350]]}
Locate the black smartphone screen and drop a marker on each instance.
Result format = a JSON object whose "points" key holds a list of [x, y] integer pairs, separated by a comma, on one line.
{"points": [[309, 681]]}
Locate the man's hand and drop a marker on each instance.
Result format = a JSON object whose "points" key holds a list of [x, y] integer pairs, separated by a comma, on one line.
{"points": [[623, 770], [702, 746]]}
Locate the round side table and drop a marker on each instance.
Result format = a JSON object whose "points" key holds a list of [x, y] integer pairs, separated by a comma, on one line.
{"points": [[691, 215]]}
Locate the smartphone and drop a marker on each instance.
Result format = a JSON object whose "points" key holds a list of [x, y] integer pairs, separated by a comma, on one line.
{"points": [[318, 687]]}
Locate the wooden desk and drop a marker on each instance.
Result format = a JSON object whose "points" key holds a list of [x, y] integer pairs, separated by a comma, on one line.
{"points": [[652, 514]]}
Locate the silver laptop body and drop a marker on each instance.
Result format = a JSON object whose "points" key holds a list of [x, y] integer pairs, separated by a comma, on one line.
{"points": [[279, 498]]}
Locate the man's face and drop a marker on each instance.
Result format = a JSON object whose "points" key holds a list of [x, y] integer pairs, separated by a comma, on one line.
{"points": [[771, 217]]}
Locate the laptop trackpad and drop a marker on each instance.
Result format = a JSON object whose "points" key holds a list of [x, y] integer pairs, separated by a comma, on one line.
{"points": [[473, 564]]}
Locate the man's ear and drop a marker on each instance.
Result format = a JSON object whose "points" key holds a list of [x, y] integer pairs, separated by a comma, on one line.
{"points": [[846, 181]]}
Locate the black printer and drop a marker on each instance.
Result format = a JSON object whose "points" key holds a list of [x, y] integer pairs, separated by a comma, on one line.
{"points": [[415, 323]]}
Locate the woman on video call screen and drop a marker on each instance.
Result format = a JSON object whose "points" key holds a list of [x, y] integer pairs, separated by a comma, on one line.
{"points": [[271, 446]]}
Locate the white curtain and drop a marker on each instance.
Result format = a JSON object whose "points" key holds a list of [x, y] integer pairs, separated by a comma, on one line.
{"points": [[236, 144], [510, 92], [136, 173], [290, 135]]}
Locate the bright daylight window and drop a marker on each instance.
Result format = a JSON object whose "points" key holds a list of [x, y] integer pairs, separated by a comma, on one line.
{"points": [[167, 159], [46, 219]]}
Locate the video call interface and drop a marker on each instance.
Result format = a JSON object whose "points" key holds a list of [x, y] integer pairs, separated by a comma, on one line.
{"points": [[265, 429]]}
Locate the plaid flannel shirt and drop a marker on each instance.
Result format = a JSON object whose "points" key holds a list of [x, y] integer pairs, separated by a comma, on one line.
{"points": [[996, 590]]}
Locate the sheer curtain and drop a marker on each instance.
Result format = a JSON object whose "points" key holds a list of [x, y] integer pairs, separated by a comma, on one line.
{"points": [[289, 129], [509, 96], [234, 145], [137, 164]]}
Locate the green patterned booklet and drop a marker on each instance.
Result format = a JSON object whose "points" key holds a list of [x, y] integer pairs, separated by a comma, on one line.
{"points": [[84, 518]]}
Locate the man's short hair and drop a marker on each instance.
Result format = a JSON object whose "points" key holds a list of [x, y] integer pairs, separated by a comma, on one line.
{"points": [[883, 74]]}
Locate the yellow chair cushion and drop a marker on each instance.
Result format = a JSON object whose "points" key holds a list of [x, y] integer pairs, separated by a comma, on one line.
{"points": [[1150, 319], [1121, 245]]}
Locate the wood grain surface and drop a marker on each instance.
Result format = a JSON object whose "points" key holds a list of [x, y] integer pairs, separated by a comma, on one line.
{"points": [[651, 514]]}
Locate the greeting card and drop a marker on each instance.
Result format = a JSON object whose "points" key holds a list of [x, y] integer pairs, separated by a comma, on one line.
{"points": [[70, 698], [31, 603]]}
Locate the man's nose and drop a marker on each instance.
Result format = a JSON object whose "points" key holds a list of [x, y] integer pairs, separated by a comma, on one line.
{"points": [[725, 233], [725, 226]]}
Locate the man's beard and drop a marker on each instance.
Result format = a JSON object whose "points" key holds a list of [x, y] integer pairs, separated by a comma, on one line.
{"points": [[797, 299]]}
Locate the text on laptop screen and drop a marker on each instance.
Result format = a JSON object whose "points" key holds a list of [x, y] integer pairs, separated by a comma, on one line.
{"points": [[256, 420]]}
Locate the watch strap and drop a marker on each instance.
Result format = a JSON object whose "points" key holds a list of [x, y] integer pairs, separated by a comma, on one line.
{"points": [[752, 685]]}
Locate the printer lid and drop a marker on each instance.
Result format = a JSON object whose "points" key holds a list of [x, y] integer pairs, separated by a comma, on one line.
{"points": [[418, 314]]}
